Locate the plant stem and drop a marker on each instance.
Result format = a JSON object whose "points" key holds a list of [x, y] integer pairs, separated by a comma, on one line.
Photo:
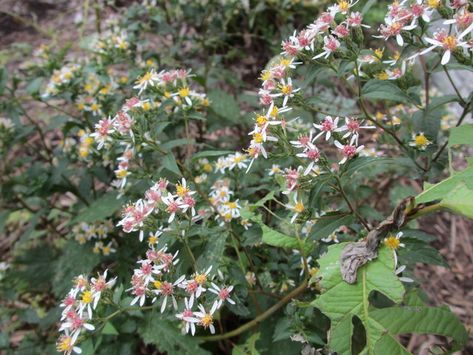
{"points": [[247, 326], [350, 206], [460, 120]]}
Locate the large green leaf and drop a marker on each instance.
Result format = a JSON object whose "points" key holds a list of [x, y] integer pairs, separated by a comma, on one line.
{"points": [[103, 207], [275, 238], [341, 301], [326, 225], [213, 251], [76, 259], [454, 193], [224, 105], [419, 319], [167, 338], [461, 135], [383, 90]]}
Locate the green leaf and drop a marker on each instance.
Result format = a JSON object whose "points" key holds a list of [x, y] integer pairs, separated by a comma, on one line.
{"points": [[109, 329], [100, 209], [454, 193], [275, 238], [419, 319], [341, 301], [327, 224], [460, 200], [265, 199], [461, 135], [167, 338], [34, 86], [383, 90], [213, 251], [169, 162], [249, 348], [177, 142], [436, 102], [75, 259], [443, 188], [224, 105], [211, 153]]}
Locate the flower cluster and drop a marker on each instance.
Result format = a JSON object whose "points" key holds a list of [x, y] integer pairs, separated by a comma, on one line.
{"points": [[220, 198], [78, 307], [171, 86], [231, 161], [158, 199], [112, 41], [61, 78], [168, 91], [406, 16], [155, 279], [99, 232]]}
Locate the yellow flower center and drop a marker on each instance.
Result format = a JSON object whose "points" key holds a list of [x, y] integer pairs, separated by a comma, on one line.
{"points": [[285, 62], [258, 138], [207, 167], [286, 89], [65, 344], [200, 278], [382, 76], [261, 120], [265, 75], [152, 239], [232, 205], [421, 140], [392, 242], [145, 78], [87, 297], [157, 284], [121, 174], [450, 42], [343, 5], [181, 191], [146, 106], [274, 112], [433, 3], [184, 92], [206, 320], [379, 53], [94, 107], [299, 207]]}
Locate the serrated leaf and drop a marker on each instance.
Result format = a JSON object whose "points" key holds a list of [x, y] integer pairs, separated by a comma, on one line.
{"points": [[224, 105], [420, 320], [213, 251], [76, 259], [167, 338], [443, 188], [273, 237], [249, 348], [327, 224], [437, 102], [454, 193], [109, 329], [100, 209], [169, 162], [384, 90], [341, 301], [461, 135]]}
